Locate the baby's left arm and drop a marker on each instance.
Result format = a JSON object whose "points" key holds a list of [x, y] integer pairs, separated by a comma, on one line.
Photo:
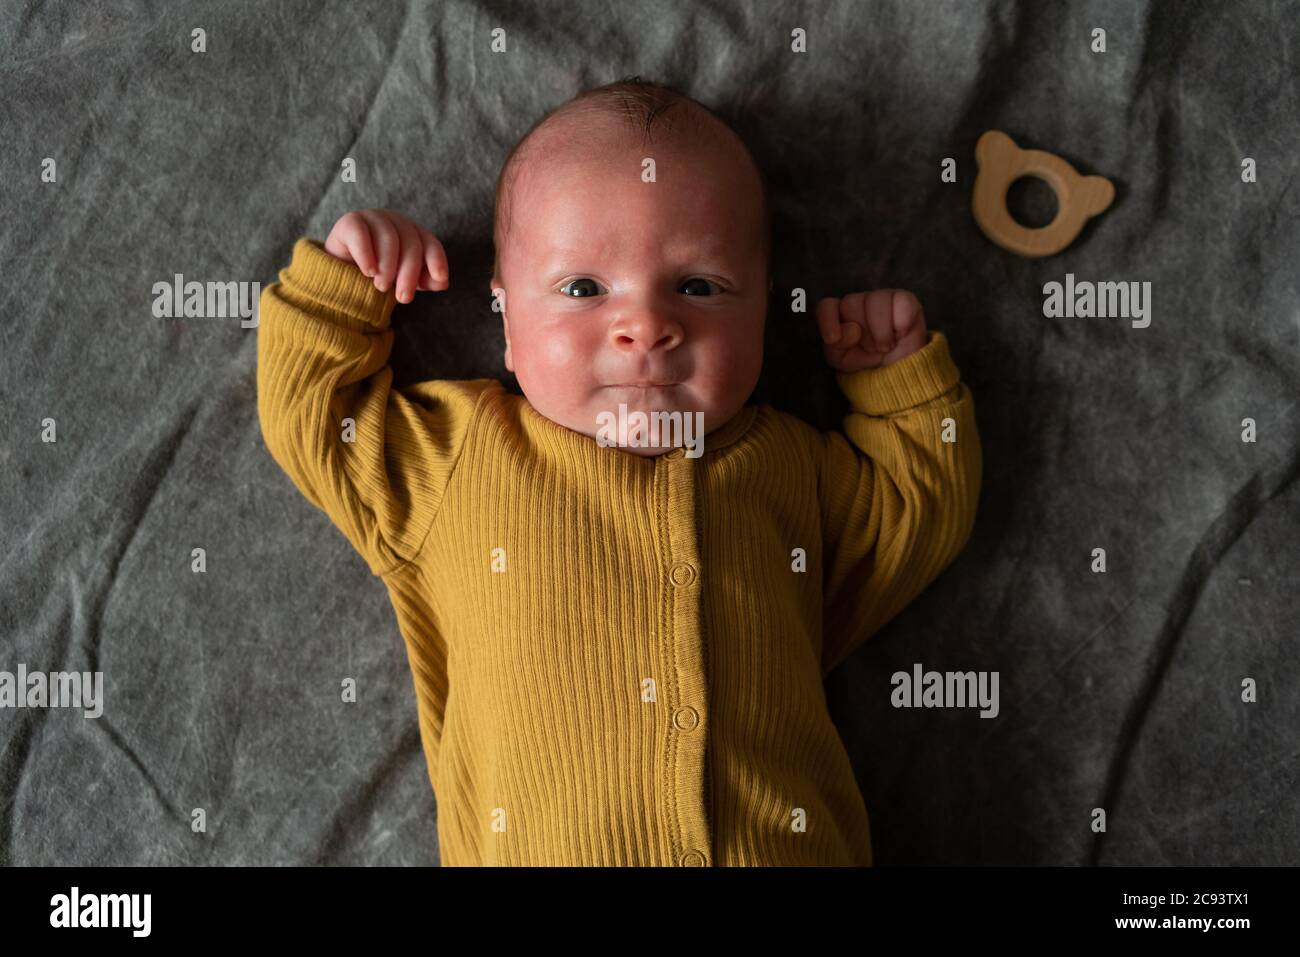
{"points": [[901, 483]]}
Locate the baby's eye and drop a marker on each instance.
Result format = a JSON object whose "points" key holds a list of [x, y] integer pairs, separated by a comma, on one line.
{"points": [[583, 288], [699, 279]]}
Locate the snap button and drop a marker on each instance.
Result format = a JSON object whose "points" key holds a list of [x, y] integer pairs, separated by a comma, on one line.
{"points": [[692, 859], [683, 574], [686, 719]]}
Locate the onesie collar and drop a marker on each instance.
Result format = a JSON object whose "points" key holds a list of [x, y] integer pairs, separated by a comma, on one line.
{"points": [[730, 433]]}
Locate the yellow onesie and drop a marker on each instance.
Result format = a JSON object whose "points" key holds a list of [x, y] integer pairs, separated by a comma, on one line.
{"points": [[618, 660]]}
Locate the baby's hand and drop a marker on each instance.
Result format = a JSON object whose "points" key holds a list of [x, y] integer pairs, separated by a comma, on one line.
{"points": [[390, 249], [868, 329]]}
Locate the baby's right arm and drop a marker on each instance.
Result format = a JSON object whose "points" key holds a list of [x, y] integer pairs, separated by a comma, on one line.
{"points": [[374, 459]]}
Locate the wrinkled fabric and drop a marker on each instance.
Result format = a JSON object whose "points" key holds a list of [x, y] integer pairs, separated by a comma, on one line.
{"points": [[226, 691]]}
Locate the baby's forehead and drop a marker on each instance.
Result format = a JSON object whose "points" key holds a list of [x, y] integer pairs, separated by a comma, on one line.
{"points": [[584, 154], [574, 156]]}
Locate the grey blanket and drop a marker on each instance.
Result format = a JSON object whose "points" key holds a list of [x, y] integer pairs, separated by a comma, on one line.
{"points": [[1160, 691]]}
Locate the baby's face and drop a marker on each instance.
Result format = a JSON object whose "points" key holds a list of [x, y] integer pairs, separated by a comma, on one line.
{"points": [[649, 294]]}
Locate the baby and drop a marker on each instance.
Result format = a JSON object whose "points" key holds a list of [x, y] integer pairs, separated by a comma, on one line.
{"points": [[619, 646]]}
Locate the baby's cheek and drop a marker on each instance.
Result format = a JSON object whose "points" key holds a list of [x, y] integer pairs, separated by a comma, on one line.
{"points": [[556, 362], [569, 354], [538, 349], [736, 359], [562, 352]]}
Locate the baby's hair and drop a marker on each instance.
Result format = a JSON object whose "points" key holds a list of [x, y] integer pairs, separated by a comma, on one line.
{"points": [[647, 106]]}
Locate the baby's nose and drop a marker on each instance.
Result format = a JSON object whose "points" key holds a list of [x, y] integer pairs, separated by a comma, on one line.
{"points": [[646, 333]]}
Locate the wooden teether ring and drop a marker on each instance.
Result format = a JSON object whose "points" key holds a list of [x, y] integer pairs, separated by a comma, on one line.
{"points": [[1001, 163]]}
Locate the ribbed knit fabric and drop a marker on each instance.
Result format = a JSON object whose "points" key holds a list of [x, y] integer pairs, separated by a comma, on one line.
{"points": [[617, 659]]}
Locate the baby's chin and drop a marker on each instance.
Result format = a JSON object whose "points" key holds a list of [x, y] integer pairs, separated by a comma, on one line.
{"points": [[653, 420], [646, 421]]}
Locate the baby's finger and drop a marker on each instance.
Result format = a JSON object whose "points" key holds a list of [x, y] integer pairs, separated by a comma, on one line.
{"points": [[388, 245], [850, 358], [349, 239], [880, 319], [361, 246], [428, 280], [906, 310], [435, 260], [853, 313], [828, 320], [412, 261]]}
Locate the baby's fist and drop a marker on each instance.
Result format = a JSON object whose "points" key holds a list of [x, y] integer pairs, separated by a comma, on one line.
{"points": [[391, 250], [868, 329]]}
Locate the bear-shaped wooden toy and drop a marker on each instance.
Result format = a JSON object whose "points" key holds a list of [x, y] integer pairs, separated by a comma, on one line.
{"points": [[1001, 163]]}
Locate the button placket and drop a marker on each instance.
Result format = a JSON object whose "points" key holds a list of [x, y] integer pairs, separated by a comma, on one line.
{"points": [[685, 646]]}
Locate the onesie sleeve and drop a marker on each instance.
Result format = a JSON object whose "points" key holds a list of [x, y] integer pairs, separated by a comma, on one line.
{"points": [[374, 459], [898, 502]]}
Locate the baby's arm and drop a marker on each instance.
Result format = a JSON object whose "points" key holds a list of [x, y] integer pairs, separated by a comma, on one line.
{"points": [[898, 502], [324, 339]]}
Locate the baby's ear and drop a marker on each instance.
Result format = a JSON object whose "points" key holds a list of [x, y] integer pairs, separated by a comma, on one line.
{"points": [[499, 295]]}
